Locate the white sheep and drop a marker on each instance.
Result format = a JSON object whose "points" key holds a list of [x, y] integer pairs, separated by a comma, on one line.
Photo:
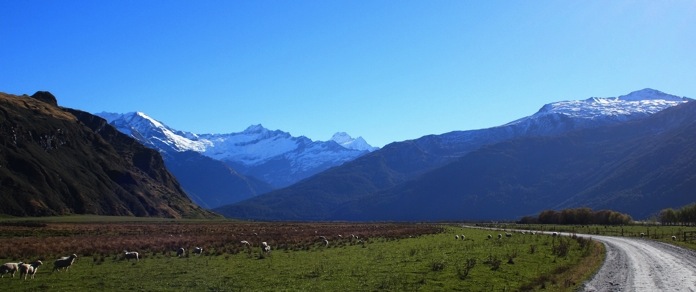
{"points": [[29, 269], [456, 236], [128, 255], [9, 268], [198, 250], [674, 237], [508, 235], [265, 248], [180, 252], [463, 237], [642, 234], [500, 236], [490, 236], [64, 262], [554, 234]]}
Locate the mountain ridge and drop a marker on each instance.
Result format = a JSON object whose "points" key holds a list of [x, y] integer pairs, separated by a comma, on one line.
{"points": [[399, 162]]}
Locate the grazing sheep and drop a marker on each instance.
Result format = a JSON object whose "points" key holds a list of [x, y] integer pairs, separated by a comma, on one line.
{"points": [[554, 234], [456, 236], [490, 236], [180, 252], [64, 263], [500, 236], [29, 269], [642, 234], [9, 268], [533, 232], [508, 235], [674, 237], [128, 255], [198, 250], [265, 248], [246, 245], [462, 237]]}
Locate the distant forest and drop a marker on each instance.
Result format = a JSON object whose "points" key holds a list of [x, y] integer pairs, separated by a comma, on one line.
{"points": [[578, 216], [683, 216]]}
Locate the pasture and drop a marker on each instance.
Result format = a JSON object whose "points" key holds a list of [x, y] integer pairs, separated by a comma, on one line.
{"points": [[359, 257]]}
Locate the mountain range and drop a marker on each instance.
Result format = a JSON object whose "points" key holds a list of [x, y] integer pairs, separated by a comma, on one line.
{"points": [[562, 156], [59, 161], [219, 169]]}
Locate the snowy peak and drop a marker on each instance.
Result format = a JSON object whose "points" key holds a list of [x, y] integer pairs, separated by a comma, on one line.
{"points": [[638, 103], [153, 133], [345, 140], [651, 94], [271, 155]]}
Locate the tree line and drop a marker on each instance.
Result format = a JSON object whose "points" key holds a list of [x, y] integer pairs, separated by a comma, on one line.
{"points": [[685, 215], [578, 216]]}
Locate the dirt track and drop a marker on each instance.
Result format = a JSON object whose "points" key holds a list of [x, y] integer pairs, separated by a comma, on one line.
{"points": [[634, 264]]}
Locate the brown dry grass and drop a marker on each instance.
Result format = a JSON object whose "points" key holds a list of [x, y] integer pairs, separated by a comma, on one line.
{"points": [[23, 240]]}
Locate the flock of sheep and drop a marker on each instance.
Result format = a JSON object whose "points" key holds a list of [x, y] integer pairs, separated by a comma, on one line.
{"points": [[63, 263], [29, 270]]}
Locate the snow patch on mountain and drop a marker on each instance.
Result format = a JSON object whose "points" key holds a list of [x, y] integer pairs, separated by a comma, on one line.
{"points": [[345, 140], [273, 155], [633, 105]]}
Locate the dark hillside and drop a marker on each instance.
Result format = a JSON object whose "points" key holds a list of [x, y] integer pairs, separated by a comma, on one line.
{"points": [[56, 161], [637, 168]]}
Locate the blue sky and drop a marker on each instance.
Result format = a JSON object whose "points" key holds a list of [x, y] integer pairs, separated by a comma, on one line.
{"points": [[385, 70]]}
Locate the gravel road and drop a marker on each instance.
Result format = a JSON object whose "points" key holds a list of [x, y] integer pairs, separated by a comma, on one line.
{"points": [[634, 264]]}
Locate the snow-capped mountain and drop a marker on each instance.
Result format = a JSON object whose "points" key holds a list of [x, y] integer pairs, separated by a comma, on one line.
{"points": [[596, 111], [367, 179], [345, 140], [272, 156], [563, 116]]}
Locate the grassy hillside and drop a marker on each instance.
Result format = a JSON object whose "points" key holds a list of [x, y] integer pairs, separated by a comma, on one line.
{"points": [[59, 161]]}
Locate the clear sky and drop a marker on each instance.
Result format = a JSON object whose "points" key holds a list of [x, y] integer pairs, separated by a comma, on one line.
{"points": [[384, 70]]}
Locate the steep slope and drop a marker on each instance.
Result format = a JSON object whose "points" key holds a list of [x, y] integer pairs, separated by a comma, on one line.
{"points": [[319, 197], [209, 183], [638, 168], [56, 161]]}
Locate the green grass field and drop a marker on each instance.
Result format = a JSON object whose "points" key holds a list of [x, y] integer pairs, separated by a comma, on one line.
{"points": [[430, 262]]}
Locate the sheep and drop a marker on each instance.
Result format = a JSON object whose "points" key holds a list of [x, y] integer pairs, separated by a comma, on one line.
{"points": [[198, 250], [642, 234], [462, 237], [265, 248], [674, 237], [64, 262], [500, 236], [508, 235], [246, 245], [554, 234], [180, 252], [456, 236], [29, 269], [9, 268], [490, 236], [128, 255]]}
